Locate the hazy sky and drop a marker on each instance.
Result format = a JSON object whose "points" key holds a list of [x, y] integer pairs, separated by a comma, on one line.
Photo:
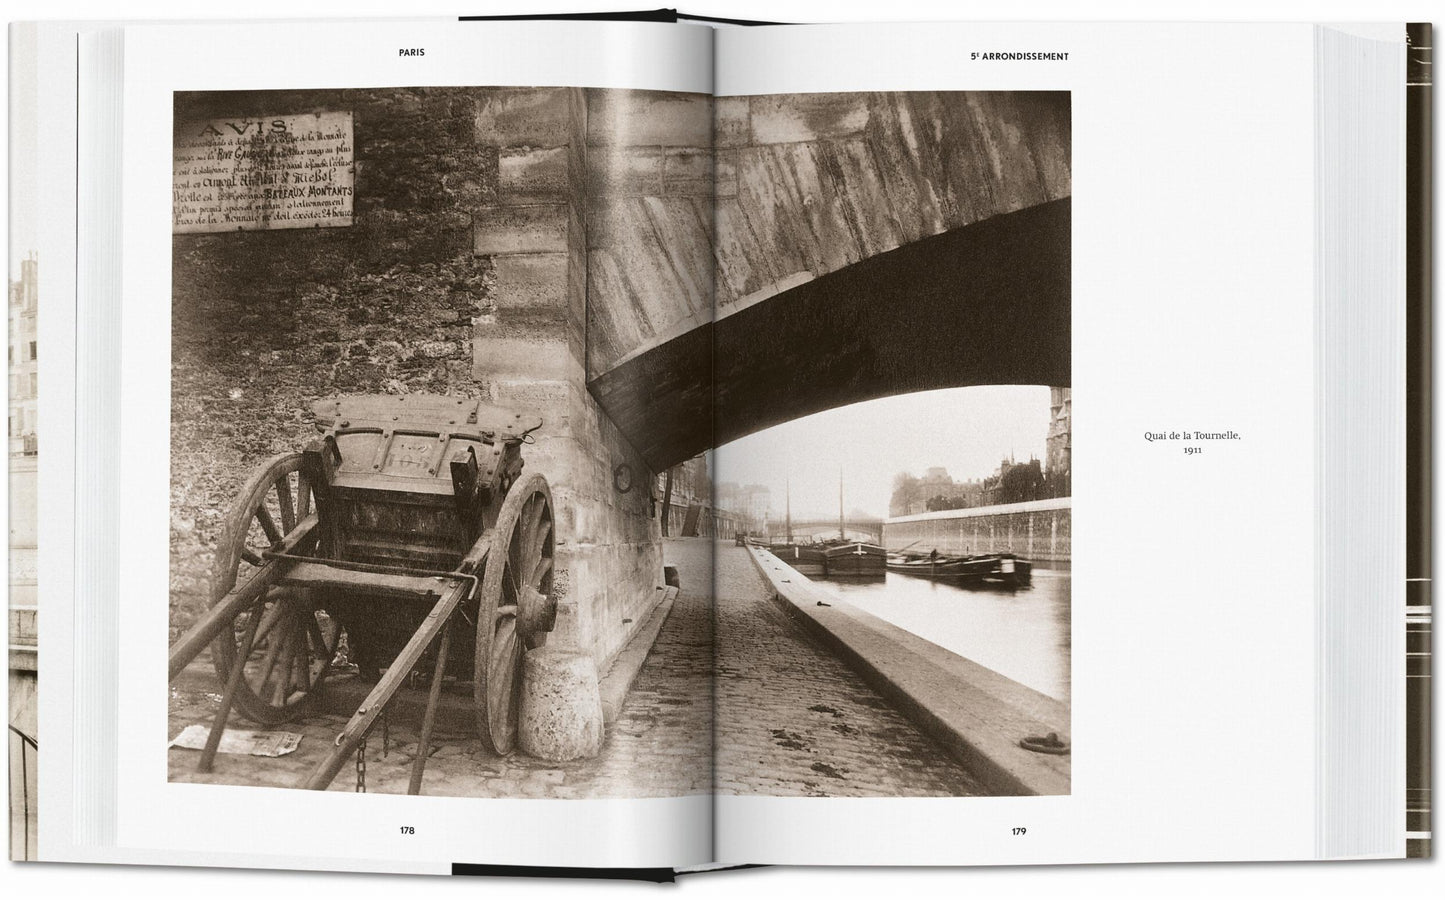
{"points": [[965, 430], [23, 180]]}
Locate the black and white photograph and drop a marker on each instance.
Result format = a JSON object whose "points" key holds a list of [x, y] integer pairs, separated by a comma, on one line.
{"points": [[564, 443]]}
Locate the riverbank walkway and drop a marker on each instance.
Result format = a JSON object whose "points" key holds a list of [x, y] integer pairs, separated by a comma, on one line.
{"points": [[791, 719]]}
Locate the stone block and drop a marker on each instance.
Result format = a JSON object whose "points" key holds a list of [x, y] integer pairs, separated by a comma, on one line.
{"points": [[788, 118], [634, 571], [516, 357], [725, 173], [730, 122], [524, 117], [533, 280], [615, 586], [687, 172], [533, 175], [529, 393], [560, 717], [640, 118], [652, 272], [587, 591], [595, 523], [625, 172], [539, 228], [566, 634], [609, 222], [556, 456], [564, 509]]}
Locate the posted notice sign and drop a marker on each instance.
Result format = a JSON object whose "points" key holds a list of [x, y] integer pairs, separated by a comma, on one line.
{"points": [[256, 172]]}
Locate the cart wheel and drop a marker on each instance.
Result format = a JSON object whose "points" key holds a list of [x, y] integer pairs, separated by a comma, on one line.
{"points": [[516, 608], [295, 642]]}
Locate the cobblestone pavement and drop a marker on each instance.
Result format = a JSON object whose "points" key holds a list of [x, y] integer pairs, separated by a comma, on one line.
{"points": [[659, 746], [791, 719]]}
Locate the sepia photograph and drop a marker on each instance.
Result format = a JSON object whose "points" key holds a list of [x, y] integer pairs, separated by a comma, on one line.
{"points": [[574, 443], [24, 719], [23, 345]]}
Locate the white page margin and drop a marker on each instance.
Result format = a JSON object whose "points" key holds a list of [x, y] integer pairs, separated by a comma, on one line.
{"points": [[1193, 685]]}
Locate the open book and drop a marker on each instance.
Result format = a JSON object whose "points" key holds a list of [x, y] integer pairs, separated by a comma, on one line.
{"points": [[653, 445]]}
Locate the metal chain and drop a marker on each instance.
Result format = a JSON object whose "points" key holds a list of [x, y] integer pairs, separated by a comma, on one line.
{"points": [[385, 731], [361, 766]]}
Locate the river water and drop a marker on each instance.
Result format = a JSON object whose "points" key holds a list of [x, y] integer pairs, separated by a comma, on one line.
{"points": [[1022, 634]]}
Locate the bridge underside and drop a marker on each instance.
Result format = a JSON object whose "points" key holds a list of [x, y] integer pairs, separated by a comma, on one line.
{"points": [[987, 303]]}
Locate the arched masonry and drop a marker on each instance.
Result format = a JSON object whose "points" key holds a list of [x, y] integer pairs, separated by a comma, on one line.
{"points": [[864, 245]]}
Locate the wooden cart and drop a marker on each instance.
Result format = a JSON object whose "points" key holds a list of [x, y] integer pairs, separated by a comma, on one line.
{"points": [[408, 520]]}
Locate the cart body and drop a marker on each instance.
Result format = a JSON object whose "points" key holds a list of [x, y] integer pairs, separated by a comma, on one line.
{"points": [[409, 513]]}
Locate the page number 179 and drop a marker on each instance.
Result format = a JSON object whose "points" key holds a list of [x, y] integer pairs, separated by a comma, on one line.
{"points": [[1020, 831]]}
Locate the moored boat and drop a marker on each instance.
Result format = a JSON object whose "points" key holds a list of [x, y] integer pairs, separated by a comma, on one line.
{"points": [[855, 558], [1003, 569], [808, 559]]}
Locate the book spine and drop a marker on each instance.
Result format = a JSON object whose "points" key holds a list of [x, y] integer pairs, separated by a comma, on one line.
{"points": [[1418, 176]]}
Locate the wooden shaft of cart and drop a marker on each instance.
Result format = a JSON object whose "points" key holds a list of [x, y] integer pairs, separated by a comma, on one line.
{"points": [[457, 588], [428, 722], [221, 616]]}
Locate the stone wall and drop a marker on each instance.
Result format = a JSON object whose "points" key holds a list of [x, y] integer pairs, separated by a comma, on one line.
{"points": [[531, 350], [1039, 530], [805, 185], [812, 183], [464, 271], [650, 221]]}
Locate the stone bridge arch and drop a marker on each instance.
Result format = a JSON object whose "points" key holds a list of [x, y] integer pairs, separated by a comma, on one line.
{"points": [[864, 245]]}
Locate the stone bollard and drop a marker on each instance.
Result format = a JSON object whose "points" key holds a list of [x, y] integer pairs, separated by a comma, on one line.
{"points": [[561, 708]]}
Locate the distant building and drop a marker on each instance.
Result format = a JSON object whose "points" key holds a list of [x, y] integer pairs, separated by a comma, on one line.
{"points": [[23, 464], [692, 510], [935, 490], [1058, 456], [22, 367], [1011, 482], [1014, 482], [752, 502]]}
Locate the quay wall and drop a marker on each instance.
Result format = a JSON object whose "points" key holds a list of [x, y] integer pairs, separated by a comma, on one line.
{"points": [[975, 714], [1039, 530]]}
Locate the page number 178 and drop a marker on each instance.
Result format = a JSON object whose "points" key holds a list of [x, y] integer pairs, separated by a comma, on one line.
{"points": [[408, 829]]}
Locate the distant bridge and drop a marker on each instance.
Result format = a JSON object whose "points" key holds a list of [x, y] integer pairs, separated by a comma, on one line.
{"points": [[854, 529]]}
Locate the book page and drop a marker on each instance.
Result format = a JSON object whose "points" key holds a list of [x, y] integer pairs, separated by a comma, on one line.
{"points": [[44, 274], [404, 551], [1015, 332]]}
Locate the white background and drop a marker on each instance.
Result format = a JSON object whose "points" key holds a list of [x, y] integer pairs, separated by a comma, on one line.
{"points": [[1334, 880]]}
